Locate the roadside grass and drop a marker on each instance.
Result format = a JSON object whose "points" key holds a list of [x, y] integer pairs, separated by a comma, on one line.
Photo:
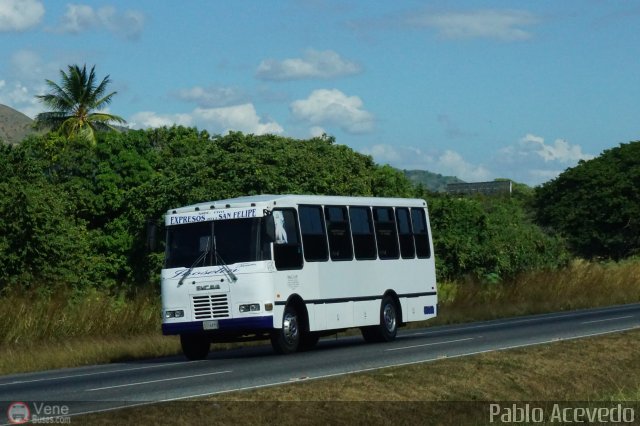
{"points": [[63, 329], [599, 371], [84, 350], [580, 285]]}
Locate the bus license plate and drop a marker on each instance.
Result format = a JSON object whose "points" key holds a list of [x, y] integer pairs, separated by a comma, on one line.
{"points": [[210, 325]]}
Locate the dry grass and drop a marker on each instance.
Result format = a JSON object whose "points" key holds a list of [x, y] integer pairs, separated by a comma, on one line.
{"points": [[448, 391], [580, 285], [33, 318], [84, 351], [66, 330]]}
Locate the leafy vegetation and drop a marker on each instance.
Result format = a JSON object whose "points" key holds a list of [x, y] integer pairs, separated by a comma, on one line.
{"points": [[75, 215], [493, 238], [596, 204]]}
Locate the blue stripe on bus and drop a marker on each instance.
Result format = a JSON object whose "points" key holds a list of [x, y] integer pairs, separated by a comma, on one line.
{"points": [[253, 323]]}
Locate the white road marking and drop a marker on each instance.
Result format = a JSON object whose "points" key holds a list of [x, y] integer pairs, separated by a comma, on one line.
{"points": [[431, 344], [607, 319], [157, 381], [44, 379], [503, 321]]}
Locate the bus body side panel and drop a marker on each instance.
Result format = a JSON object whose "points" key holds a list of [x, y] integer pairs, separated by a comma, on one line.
{"points": [[349, 293], [343, 294]]}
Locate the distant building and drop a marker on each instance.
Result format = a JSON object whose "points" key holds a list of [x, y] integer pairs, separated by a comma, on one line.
{"points": [[500, 187]]}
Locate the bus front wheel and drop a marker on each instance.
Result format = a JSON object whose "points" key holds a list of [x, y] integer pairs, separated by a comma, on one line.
{"points": [[194, 347], [287, 339]]}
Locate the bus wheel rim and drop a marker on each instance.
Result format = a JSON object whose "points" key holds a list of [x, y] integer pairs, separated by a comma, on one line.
{"points": [[290, 328], [389, 317]]}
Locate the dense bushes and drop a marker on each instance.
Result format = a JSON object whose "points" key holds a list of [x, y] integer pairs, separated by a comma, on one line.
{"points": [[596, 204], [75, 215], [491, 238]]}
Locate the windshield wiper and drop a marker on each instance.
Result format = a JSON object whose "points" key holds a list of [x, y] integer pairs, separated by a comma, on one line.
{"points": [[226, 269], [198, 260]]}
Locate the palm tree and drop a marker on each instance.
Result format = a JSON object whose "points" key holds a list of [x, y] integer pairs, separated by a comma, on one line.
{"points": [[72, 103]]}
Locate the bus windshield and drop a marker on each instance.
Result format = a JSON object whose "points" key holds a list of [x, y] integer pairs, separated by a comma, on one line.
{"points": [[235, 240]]}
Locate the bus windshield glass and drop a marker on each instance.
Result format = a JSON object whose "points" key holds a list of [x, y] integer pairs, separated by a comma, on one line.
{"points": [[234, 240]]}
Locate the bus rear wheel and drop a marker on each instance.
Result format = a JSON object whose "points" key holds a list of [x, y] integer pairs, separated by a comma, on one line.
{"points": [[194, 346], [287, 339], [387, 330]]}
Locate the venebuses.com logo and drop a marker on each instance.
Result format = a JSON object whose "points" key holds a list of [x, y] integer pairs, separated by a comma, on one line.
{"points": [[38, 412], [18, 413]]}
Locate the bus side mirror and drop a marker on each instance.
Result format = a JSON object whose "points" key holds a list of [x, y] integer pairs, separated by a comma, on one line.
{"points": [[270, 228], [152, 236]]}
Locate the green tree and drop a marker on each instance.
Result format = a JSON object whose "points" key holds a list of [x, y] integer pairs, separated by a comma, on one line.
{"points": [[596, 204], [489, 237], [76, 104]]}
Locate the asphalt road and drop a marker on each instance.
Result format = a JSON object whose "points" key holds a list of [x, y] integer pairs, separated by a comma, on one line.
{"points": [[110, 386]]}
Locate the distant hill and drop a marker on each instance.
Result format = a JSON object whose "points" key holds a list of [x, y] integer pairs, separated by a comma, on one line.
{"points": [[14, 125], [432, 181]]}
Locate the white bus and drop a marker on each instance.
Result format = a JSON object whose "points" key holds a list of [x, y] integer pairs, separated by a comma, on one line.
{"points": [[294, 267]]}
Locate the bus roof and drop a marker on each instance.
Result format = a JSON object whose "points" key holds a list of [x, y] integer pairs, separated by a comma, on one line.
{"points": [[291, 200]]}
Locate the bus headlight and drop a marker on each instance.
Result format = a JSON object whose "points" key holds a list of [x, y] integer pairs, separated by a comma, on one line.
{"points": [[250, 307], [179, 313]]}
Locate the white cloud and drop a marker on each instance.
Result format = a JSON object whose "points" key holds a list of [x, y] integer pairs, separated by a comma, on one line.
{"points": [[317, 131], [383, 153], [332, 107], [208, 97], [20, 15], [239, 117], [80, 18], [146, 119], [453, 164], [533, 161], [242, 118], [560, 151], [504, 25], [315, 64], [448, 162], [20, 97]]}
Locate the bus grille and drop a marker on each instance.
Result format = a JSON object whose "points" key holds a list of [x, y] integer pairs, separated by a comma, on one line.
{"points": [[210, 306]]}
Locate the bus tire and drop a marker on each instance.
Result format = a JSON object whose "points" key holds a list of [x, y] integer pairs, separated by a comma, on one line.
{"points": [[388, 319], [387, 330], [287, 339], [194, 346], [308, 341]]}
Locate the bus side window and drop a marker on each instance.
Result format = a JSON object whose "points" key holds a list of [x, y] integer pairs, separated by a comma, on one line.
{"points": [[287, 250], [339, 233], [364, 241], [314, 237], [385, 225], [420, 232], [403, 220]]}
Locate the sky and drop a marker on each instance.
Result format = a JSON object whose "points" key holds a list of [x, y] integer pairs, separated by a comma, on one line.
{"points": [[474, 89]]}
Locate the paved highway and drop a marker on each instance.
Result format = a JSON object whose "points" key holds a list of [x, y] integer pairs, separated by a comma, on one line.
{"points": [[101, 387]]}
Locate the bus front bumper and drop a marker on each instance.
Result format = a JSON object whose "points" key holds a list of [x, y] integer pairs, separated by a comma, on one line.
{"points": [[257, 324]]}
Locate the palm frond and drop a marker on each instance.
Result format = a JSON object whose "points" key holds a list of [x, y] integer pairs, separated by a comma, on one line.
{"points": [[72, 102], [104, 117], [51, 120]]}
